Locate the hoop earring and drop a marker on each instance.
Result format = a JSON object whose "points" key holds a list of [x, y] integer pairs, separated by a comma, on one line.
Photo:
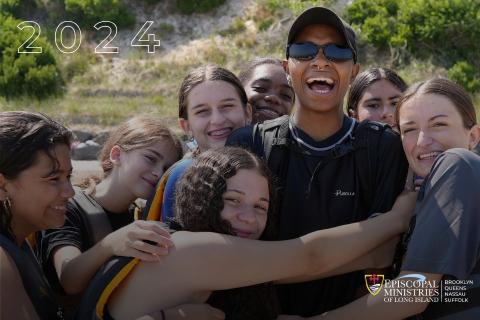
{"points": [[7, 204]]}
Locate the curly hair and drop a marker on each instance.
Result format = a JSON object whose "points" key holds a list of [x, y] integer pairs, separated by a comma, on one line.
{"points": [[22, 136], [198, 205], [199, 195]]}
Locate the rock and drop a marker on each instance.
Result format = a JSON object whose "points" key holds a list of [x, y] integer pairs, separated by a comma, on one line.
{"points": [[88, 150], [101, 137], [82, 136]]}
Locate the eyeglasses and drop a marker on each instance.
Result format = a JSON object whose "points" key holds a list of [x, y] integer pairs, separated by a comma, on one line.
{"points": [[308, 51]]}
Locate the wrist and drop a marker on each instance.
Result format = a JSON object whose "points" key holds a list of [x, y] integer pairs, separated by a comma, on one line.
{"points": [[106, 247]]}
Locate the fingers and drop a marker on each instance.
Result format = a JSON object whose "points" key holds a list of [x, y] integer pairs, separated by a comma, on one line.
{"points": [[153, 238], [217, 313], [155, 226], [148, 248], [144, 256], [152, 232]]}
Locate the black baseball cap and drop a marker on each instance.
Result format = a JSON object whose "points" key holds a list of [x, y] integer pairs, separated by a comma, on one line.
{"points": [[322, 15]]}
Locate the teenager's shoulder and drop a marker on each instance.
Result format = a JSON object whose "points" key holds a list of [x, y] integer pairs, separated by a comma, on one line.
{"points": [[460, 160], [374, 129], [379, 137], [242, 137]]}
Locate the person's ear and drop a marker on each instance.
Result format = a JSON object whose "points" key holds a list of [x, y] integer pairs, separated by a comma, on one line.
{"points": [[183, 123], [3, 191], [355, 70], [285, 67], [116, 155], [352, 113], [248, 112], [474, 137]]}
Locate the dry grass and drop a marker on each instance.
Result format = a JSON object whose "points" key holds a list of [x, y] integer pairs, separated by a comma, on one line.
{"points": [[110, 91]]}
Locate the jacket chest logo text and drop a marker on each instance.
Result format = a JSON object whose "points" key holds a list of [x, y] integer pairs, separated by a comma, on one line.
{"points": [[340, 193]]}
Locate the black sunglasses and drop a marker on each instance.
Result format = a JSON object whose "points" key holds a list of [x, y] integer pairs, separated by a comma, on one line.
{"points": [[307, 51]]}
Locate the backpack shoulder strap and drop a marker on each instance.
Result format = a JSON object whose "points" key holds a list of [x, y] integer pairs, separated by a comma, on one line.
{"points": [[272, 138], [274, 133], [367, 136], [95, 217]]}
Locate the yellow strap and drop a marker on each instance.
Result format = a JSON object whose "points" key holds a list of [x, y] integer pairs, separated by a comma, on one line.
{"points": [[107, 292]]}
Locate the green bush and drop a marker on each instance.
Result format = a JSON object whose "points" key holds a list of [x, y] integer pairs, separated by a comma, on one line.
{"points": [[23, 74], [191, 6], [18, 8], [441, 30], [88, 12], [10, 7], [466, 75]]}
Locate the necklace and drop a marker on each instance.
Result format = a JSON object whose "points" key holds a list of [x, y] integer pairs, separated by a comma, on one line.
{"points": [[297, 138]]}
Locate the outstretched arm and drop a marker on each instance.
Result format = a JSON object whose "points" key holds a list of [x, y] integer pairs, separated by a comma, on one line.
{"points": [[202, 262], [378, 257]]}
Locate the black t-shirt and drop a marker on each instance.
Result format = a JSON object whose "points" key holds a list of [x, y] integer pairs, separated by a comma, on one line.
{"points": [[73, 233], [337, 195], [446, 237]]}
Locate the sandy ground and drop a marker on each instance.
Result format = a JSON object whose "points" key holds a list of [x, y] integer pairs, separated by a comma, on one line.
{"points": [[84, 169]]}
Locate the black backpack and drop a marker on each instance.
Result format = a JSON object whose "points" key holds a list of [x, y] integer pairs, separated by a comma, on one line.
{"points": [[272, 139]]}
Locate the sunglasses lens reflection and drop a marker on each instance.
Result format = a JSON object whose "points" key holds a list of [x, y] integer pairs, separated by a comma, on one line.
{"points": [[308, 51]]}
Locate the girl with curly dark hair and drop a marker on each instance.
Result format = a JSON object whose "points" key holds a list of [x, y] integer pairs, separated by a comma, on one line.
{"points": [[228, 191]]}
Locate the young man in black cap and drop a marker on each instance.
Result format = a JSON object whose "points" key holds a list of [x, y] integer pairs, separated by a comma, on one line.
{"points": [[332, 170]]}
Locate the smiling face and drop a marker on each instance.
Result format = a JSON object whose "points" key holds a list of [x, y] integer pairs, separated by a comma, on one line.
{"points": [[214, 110], [40, 193], [269, 93], [321, 84], [246, 203], [429, 125], [140, 169], [378, 102]]}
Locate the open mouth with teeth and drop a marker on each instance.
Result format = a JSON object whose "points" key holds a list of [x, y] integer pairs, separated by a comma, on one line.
{"points": [[220, 133], [431, 156], [321, 85]]}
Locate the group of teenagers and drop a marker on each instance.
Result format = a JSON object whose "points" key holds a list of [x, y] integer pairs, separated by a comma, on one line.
{"points": [[276, 212]]}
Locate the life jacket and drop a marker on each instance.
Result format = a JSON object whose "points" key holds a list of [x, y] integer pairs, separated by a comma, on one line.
{"points": [[161, 206]]}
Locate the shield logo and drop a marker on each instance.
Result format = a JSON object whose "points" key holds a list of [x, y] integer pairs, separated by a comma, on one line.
{"points": [[374, 283]]}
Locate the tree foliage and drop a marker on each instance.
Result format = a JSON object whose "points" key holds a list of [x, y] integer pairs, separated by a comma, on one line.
{"points": [[445, 31], [88, 12], [27, 74]]}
